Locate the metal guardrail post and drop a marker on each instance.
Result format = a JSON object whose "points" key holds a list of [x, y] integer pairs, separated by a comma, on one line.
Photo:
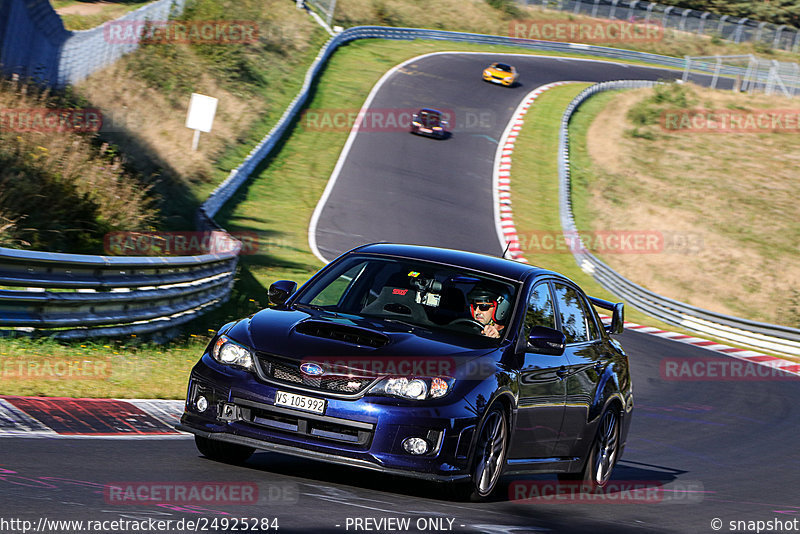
{"points": [[737, 37], [702, 25], [776, 41], [720, 26], [684, 15], [665, 16], [613, 9], [759, 31], [650, 8], [632, 9]]}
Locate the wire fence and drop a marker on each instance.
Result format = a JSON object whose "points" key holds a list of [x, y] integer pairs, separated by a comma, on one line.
{"points": [[737, 30]]}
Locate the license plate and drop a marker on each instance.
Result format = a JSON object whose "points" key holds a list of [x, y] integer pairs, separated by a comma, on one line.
{"points": [[300, 402], [428, 130]]}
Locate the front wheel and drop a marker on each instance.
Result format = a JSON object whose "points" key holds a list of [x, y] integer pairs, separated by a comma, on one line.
{"points": [[489, 457], [603, 455], [222, 451]]}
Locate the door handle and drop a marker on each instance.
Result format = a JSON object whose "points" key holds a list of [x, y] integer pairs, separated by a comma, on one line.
{"points": [[562, 372]]}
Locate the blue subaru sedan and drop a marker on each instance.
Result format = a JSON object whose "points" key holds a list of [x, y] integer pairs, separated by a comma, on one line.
{"points": [[439, 364]]}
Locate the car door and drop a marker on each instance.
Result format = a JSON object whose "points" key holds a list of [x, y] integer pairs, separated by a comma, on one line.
{"points": [[541, 388], [584, 361]]}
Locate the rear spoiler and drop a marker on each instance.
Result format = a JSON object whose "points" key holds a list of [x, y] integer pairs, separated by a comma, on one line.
{"points": [[617, 314]]}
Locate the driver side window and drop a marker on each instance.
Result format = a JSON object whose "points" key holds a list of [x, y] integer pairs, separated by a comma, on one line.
{"points": [[540, 310]]}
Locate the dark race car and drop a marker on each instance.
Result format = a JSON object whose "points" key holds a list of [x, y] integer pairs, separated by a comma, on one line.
{"points": [[429, 122], [438, 364]]}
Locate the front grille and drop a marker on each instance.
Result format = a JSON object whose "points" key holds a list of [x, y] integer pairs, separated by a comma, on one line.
{"points": [[289, 372], [318, 426]]}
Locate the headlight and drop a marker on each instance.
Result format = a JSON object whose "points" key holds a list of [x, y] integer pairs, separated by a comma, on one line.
{"points": [[231, 353], [416, 388]]}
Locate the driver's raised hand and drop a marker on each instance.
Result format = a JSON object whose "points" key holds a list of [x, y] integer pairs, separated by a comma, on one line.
{"points": [[491, 330]]}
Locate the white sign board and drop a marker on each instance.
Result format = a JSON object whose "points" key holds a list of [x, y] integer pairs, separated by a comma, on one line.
{"points": [[201, 112]]}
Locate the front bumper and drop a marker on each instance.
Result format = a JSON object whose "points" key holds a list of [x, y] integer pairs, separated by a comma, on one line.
{"points": [[365, 432], [500, 81]]}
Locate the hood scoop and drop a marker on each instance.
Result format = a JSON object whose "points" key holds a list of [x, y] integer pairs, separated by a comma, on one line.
{"points": [[340, 332]]}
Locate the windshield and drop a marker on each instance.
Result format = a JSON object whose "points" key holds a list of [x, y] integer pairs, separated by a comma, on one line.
{"points": [[428, 295], [429, 119]]}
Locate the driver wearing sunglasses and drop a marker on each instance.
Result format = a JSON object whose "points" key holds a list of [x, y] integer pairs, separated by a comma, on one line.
{"points": [[483, 306]]}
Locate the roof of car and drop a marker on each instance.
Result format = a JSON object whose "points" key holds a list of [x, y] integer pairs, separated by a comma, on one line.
{"points": [[430, 110], [471, 260]]}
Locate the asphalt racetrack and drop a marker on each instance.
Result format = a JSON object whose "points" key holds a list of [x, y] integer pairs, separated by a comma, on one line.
{"points": [[398, 187], [723, 449], [712, 450]]}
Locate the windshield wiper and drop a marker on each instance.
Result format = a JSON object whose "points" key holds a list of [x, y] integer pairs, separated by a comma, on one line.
{"points": [[316, 307]]}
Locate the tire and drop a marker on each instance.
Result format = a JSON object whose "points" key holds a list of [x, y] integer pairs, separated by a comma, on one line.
{"points": [[603, 454], [489, 457], [222, 451]]}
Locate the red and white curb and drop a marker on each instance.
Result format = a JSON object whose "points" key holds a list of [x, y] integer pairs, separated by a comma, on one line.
{"points": [[504, 215], [507, 232], [64, 417], [767, 360]]}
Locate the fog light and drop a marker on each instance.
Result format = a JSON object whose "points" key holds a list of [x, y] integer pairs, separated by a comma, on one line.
{"points": [[201, 404], [415, 445]]}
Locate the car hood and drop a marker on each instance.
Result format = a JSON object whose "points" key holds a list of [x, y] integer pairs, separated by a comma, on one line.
{"points": [[496, 72], [313, 336]]}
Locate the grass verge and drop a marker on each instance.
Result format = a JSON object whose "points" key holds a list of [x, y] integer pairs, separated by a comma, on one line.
{"points": [[120, 369], [87, 15], [535, 190], [725, 201]]}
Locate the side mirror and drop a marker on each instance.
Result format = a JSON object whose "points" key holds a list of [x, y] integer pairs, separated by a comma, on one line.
{"points": [[280, 291], [547, 341]]}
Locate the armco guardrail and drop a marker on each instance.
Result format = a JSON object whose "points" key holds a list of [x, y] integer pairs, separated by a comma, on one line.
{"points": [[781, 339], [124, 295], [76, 296]]}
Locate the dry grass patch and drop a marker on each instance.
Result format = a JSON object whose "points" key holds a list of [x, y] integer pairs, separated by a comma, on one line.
{"points": [[60, 188], [725, 202]]}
